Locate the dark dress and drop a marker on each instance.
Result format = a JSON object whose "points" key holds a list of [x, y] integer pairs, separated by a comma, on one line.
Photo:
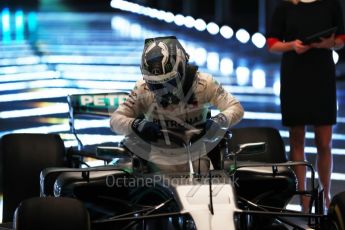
{"points": [[308, 88]]}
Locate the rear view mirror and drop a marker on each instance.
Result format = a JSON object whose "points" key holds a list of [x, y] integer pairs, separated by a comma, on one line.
{"points": [[251, 148]]}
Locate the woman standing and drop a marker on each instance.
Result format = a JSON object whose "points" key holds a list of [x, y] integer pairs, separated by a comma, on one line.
{"points": [[308, 88]]}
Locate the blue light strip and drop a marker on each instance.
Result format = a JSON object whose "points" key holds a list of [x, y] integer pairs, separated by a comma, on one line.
{"points": [[22, 69], [56, 108], [111, 84], [117, 48], [32, 22], [98, 68], [120, 77], [19, 25], [16, 53], [46, 93], [313, 150], [79, 125], [6, 25], [266, 116], [29, 60], [80, 59], [29, 76]]}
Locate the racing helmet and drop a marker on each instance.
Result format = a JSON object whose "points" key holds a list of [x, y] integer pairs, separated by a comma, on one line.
{"points": [[163, 66]]}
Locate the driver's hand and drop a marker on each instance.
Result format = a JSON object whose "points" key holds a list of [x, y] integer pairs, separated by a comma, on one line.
{"points": [[214, 125], [147, 130], [211, 126], [218, 121]]}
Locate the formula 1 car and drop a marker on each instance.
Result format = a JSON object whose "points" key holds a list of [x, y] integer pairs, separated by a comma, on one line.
{"points": [[249, 187]]}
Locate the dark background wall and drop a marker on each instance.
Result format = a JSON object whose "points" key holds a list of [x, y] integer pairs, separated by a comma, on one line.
{"points": [[237, 13], [22, 4], [253, 15]]}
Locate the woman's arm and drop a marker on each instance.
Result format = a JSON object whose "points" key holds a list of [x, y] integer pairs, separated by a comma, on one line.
{"points": [[339, 42], [280, 46]]}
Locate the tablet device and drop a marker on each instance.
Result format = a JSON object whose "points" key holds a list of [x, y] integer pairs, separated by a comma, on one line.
{"points": [[317, 36]]}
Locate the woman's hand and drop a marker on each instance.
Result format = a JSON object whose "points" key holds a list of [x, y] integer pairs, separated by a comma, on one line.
{"points": [[325, 43], [299, 47]]}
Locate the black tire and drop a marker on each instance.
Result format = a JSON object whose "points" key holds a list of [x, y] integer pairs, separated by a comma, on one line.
{"points": [[51, 213], [336, 211]]}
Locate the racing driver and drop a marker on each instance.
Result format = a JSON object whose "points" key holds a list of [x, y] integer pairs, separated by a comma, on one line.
{"points": [[173, 95]]}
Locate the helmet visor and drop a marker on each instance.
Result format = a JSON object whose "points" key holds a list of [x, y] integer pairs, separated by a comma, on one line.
{"points": [[163, 83]]}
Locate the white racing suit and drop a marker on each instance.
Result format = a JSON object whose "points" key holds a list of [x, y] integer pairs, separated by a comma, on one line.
{"points": [[141, 101]]}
